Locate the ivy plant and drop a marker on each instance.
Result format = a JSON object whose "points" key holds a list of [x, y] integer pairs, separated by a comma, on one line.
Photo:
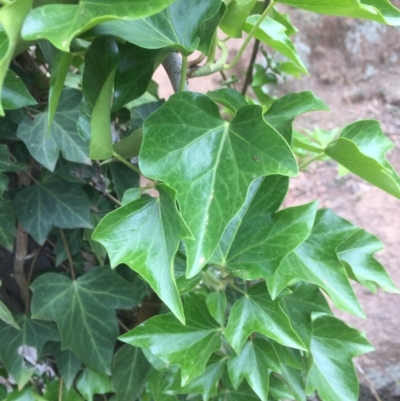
{"points": [[148, 254]]}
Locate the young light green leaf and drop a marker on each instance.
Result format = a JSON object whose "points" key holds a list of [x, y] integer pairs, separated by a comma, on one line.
{"points": [[235, 17], [272, 33], [7, 224], [356, 252], [253, 364], [130, 368], [285, 109], [12, 16], [98, 80], [166, 29], [201, 156], [216, 303], [332, 372], [59, 69], [15, 94], [76, 307], [20, 348], [53, 203], [63, 137], [130, 195], [145, 235], [376, 10], [229, 98], [257, 312], [316, 261], [60, 23], [188, 346], [361, 148], [90, 383]]}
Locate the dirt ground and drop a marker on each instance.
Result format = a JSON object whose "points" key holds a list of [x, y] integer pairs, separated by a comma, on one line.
{"points": [[355, 68]]}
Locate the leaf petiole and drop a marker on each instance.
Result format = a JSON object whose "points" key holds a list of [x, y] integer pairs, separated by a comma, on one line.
{"points": [[126, 162]]}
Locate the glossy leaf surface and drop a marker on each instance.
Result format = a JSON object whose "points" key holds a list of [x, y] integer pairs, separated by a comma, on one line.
{"points": [[84, 311], [145, 235], [257, 312], [333, 346], [361, 148], [177, 28], [45, 146], [220, 156], [20, 349], [53, 203], [188, 346], [98, 80], [61, 23]]}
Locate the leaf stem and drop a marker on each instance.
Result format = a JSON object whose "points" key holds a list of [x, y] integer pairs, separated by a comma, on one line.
{"points": [[27, 297], [126, 328], [71, 264], [237, 288], [126, 162], [305, 164], [182, 83], [115, 200], [249, 37], [60, 392]]}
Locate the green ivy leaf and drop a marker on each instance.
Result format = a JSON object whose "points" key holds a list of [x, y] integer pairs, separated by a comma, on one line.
{"points": [[20, 349], [156, 385], [257, 312], [59, 69], [12, 16], [216, 303], [356, 252], [68, 364], [243, 393], [332, 372], [167, 29], [133, 75], [63, 137], [15, 94], [316, 261], [60, 23], [376, 10], [188, 346], [98, 80], [284, 110], [123, 178], [273, 34], [229, 98], [6, 316], [253, 364], [300, 305], [84, 311], [52, 393], [7, 224], [145, 235], [6, 165], [220, 155], [130, 368], [90, 383], [235, 18], [53, 203], [361, 148]]}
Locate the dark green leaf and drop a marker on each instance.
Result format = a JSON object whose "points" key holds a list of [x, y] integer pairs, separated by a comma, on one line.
{"points": [[145, 235], [7, 317], [130, 368], [98, 79], [184, 285], [210, 163], [216, 303], [140, 113], [167, 29], [20, 349], [317, 262], [361, 148], [45, 147], [257, 312], [84, 312], [12, 16], [188, 346], [59, 69], [285, 109], [332, 372], [133, 75], [123, 178], [52, 393], [74, 244], [7, 224], [61, 23], [90, 383], [53, 203], [15, 94], [6, 164], [273, 34], [376, 10]]}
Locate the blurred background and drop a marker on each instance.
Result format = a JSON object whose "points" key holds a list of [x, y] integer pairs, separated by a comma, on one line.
{"points": [[354, 67]]}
